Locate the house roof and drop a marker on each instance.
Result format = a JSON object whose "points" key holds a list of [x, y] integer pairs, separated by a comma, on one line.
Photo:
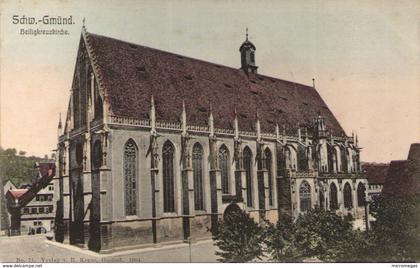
{"points": [[375, 173], [131, 74], [403, 178], [17, 193]]}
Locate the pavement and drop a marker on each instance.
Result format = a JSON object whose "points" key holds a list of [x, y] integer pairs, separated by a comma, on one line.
{"points": [[37, 248]]}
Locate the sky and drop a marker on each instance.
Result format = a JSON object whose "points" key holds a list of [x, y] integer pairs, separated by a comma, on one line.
{"points": [[364, 56]]}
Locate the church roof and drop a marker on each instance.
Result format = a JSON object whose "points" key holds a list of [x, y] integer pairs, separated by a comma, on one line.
{"points": [[132, 73]]}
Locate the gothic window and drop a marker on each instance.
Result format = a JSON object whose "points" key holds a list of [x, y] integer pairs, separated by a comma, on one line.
{"points": [[348, 202], [333, 197], [75, 102], [130, 177], [355, 162], [98, 103], [269, 166], [361, 195], [281, 161], [321, 199], [252, 57], [343, 160], [302, 158], [83, 89], [330, 152], [79, 155], [291, 157], [350, 165], [248, 172], [224, 164], [168, 177], [305, 196], [97, 155], [79, 98], [197, 164]]}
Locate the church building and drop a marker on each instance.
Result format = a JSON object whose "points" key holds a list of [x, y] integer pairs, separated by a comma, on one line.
{"points": [[156, 147]]}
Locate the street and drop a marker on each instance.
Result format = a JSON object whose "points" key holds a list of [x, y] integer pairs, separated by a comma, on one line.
{"points": [[38, 249]]}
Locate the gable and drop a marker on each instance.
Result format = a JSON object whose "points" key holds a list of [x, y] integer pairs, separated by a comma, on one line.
{"points": [[86, 99]]}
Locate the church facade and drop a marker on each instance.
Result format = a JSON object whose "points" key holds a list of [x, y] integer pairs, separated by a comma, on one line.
{"points": [[156, 147]]}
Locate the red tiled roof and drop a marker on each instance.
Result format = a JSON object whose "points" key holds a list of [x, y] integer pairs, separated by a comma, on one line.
{"points": [[375, 173], [132, 73], [17, 193], [404, 176]]}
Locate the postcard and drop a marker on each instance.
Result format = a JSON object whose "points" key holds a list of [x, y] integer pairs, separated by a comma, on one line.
{"points": [[209, 131]]}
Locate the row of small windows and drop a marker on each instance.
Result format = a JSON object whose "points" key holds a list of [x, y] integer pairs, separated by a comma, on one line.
{"points": [[306, 203], [37, 210], [44, 197], [168, 154]]}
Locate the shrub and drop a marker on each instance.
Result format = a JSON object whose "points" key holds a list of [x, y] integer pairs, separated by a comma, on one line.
{"points": [[238, 237]]}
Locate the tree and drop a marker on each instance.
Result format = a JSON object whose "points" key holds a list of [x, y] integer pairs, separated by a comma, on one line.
{"points": [[238, 237], [394, 232], [280, 242], [322, 234], [17, 168]]}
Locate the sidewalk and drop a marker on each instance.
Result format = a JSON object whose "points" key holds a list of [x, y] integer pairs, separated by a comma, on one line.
{"points": [[38, 249]]}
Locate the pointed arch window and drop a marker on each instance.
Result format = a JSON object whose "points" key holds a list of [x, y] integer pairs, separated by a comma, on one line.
{"points": [[321, 199], [330, 151], [302, 158], [98, 103], [130, 177], [361, 194], [224, 164], [197, 164], [168, 151], [305, 196], [97, 155], [333, 197], [281, 160], [248, 174], [348, 202], [269, 166], [343, 160]]}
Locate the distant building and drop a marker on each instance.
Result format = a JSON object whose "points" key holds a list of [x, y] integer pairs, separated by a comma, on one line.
{"points": [[403, 179], [376, 174], [38, 215], [9, 185], [400, 178], [32, 209]]}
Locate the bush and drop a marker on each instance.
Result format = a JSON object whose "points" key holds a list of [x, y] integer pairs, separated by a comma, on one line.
{"points": [[321, 234], [280, 243], [239, 238], [394, 233]]}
